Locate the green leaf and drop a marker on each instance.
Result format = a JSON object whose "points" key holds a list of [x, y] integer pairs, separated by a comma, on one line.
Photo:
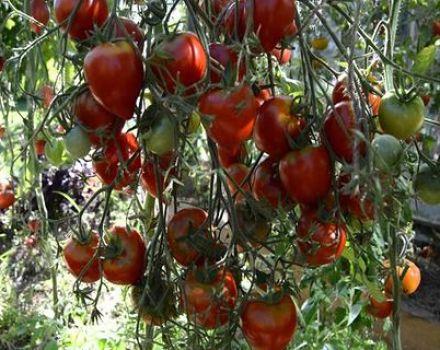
{"points": [[52, 345], [424, 60]]}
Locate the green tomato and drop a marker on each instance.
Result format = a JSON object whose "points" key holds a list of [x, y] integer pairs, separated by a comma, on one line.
{"points": [[387, 152], [427, 185], [77, 143], [161, 138], [56, 153], [400, 118]]}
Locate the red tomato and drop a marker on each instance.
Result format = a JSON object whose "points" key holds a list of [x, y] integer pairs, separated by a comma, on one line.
{"points": [[238, 172], [263, 96], [7, 196], [320, 242], [269, 325], [212, 301], [306, 174], [110, 61], [117, 160], [275, 125], [184, 228], [374, 102], [266, 183], [231, 114], [91, 13], [179, 61], [339, 124], [125, 262], [148, 175], [227, 156], [380, 309], [33, 225], [40, 12], [355, 203], [228, 20], [47, 95], [282, 55], [39, 146], [409, 282], [99, 124], [340, 92], [436, 28], [127, 25], [425, 98], [78, 255], [274, 20], [218, 6], [225, 60]]}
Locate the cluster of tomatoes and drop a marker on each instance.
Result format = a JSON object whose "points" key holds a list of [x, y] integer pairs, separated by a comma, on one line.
{"points": [[298, 167]]}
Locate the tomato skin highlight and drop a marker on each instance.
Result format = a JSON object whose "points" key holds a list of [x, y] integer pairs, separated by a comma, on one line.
{"points": [[40, 11], [275, 124], [266, 183], [107, 61], [399, 118], [186, 62], [91, 13], [77, 255], [232, 115], [269, 325], [306, 174], [210, 302], [184, 223], [339, 124], [99, 123], [320, 242], [127, 267]]}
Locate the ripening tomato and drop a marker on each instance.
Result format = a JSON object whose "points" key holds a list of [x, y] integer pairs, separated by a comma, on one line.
{"points": [[380, 309], [227, 156], [276, 125], [47, 95], [269, 325], [340, 91], [187, 235], [320, 242], [95, 119], [231, 114], [402, 119], [339, 126], [224, 64], [306, 174], [79, 254], [252, 227], [39, 145], [266, 183], [107, 62], [179, 62], [374, 102], [124, 261], [211, 299], [427, 185], [40, 12], [148, 175], [160, 138], [120, 158], [90, 14], [2, 131], [125, 26], [237, 185], [282, 55], [355, 202], [273, 21], [409, 282], [320, 43], [7, 196]]}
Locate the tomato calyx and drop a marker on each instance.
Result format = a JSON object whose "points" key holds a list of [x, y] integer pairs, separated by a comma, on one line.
{"points": [[113, 246]]}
